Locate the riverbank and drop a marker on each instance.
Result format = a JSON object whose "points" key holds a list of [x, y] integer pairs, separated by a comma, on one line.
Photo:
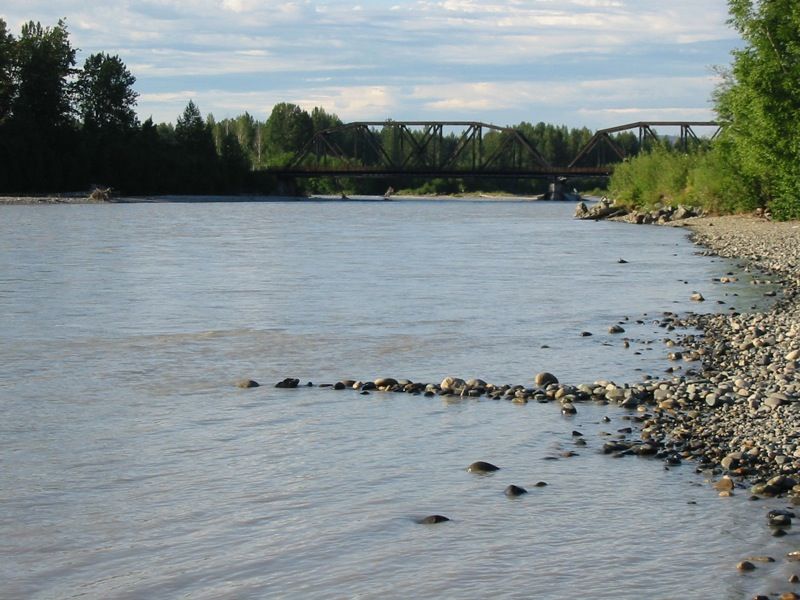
{"points": [[47, 200], [741, 413], [81, 199]]}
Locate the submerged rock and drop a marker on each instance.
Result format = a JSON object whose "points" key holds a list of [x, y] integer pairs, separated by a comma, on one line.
{"points": [[515, 490], [433, 519], [289, 382], [247, 383]]}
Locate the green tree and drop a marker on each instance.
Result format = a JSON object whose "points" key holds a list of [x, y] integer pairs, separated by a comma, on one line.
{"points": [[321, 120], [190, 128], [245, 126], [7, 47], [234, 162], [43, 150], [198, 164], [287, 130], [760, 100], [43, 69], [106, 99]]}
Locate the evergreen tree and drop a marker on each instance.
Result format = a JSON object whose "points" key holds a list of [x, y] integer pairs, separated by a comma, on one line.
{"points": [[198, 164], [321, 120]]}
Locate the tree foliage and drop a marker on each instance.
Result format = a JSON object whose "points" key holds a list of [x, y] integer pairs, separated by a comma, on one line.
{"points": [[43, 65], [760, 101], [6, 74], [105, 95], [287, 129]]}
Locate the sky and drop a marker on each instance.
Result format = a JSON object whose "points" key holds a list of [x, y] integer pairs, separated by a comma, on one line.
{"points": [[593, 63]]}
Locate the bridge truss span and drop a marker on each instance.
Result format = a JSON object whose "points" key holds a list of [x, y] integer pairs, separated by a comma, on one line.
{"points": [[428, 146], [461, 149], [646, 131]]}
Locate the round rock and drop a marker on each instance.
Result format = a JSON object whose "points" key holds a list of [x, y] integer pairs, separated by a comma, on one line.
{"points": [[247, 383], [433, 519], [289, 383], [513, 491], [745, 565], [544, 379], [482, 467]]}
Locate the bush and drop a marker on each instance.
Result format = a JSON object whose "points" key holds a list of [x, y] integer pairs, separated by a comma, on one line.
{"points": [[658, 177], [706, 177]]}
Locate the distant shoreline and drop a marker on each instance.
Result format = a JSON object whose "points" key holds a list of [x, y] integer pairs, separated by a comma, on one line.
{"points": [[187, 198]]}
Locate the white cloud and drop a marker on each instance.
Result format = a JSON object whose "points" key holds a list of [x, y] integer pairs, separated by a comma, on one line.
{"points": [[354, 103], [574, 60]]}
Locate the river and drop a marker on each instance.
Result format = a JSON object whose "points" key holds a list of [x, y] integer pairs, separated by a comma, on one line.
{"points": [[133, 467]]}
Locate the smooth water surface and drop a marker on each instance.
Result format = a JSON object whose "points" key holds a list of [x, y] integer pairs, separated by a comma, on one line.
{"points": [[132, 467]]}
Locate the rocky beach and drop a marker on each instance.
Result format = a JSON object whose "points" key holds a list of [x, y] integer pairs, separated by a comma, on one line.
{"points": [[740, 413]]}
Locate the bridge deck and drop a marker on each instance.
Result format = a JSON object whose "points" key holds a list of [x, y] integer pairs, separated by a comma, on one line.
{"points": [[538, 173]]}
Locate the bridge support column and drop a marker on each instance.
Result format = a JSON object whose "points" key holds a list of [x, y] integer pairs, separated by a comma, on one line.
{"points": [[558, 190], [555, 189], [287, 186]]}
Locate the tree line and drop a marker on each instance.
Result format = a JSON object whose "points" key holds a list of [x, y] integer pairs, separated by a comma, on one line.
{"points": [[64, 128]]}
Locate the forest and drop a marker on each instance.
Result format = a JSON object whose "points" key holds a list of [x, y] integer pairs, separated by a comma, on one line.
{"points": [[64, 128]]}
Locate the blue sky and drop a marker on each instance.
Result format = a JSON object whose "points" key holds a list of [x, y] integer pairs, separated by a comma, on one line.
{"points": [[593, 63]]}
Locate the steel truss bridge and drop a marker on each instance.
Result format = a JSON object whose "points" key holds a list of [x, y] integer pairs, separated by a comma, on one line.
{"points": [[456, 149]]}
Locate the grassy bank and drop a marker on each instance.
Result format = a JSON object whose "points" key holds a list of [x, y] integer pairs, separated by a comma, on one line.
{"points": [[666, 177]]}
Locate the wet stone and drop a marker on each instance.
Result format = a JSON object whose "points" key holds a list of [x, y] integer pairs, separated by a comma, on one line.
{"points": [[482, 467], [433, 519], [745, 565], [513, 491], [289, 382], [247, 383]]}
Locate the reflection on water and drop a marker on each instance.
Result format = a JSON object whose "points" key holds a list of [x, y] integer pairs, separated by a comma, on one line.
{"points": [[132, 467]]}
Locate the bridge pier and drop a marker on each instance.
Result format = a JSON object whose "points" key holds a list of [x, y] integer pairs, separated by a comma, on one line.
{"points": [[557, 190], [287, 186]]}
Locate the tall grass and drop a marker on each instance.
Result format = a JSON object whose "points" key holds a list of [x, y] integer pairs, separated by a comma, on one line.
{"points": [[702, 177]]}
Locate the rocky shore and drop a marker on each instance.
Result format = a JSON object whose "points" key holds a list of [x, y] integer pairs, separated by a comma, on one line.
{"points": [[740, 415], [42, 200]]}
